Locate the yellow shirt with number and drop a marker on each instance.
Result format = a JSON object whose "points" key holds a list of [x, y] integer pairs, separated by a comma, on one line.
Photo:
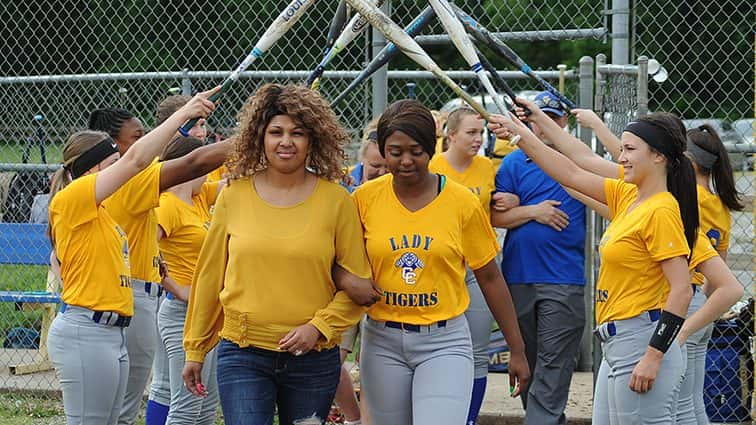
{"points": [[133, 208], [715, 222], [264, 270], [92, 249], [418, 258], [634, 244], [184, 230], [478, 177]]}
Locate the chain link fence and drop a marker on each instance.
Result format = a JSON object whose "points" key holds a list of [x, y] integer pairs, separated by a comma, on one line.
{"points": [[707, 51], [63, 58]]}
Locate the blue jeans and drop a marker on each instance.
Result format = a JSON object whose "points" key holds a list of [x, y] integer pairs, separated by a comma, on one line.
{"points": [[253, 381]]}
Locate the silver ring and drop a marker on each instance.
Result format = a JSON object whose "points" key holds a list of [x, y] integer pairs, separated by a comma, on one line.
{"points": [[298, 353]]}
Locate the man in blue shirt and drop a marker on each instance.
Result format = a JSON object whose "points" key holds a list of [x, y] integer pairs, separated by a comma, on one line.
{"points": [[543, 263]]}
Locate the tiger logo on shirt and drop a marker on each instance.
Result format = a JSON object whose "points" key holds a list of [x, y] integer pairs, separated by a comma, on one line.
{"points": [[408, 263]]}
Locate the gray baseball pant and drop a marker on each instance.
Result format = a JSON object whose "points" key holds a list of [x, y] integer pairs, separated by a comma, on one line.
{"points": [[614, 403], [417, 377], [141, 341], [160, 386], [551, 319], [690, 405], [92, 365], [185, 408], [479, 319]]}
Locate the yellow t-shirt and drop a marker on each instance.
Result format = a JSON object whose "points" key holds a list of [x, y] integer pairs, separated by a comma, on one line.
{"points": [[184, 227], [631, 280], [133, 208], [702, 251], [92, 249], [418, 258], [218, 174], [478, 177], [264, 270], [205, 200], [715, 222]]}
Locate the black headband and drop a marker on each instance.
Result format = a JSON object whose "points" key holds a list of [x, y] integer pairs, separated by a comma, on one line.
{"points": [[92, 157], [654, 136]]}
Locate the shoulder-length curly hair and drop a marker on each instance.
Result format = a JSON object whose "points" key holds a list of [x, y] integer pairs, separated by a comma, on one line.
{"points": [[307, 108]]}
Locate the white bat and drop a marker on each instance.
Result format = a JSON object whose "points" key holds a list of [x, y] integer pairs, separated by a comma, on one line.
{"points": [[459, 37], [409, 47], [288, 17], [354, 28]]}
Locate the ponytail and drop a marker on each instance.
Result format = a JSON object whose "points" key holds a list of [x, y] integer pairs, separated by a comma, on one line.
{"points": [[681, 182], [710, 155], [60, 179]]}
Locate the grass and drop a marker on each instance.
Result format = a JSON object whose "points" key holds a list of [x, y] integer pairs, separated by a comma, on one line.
{"points": [[19, 277], [12, 152]]}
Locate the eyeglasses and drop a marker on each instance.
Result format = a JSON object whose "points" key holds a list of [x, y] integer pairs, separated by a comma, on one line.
{"points": [[548, 102]]}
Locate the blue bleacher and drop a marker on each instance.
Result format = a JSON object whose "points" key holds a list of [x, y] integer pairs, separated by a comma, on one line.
{"points": [[25, 243]]}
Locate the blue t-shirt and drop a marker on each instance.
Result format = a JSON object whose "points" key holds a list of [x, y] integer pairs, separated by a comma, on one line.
{"points": [[356, 175], [535, 252]]}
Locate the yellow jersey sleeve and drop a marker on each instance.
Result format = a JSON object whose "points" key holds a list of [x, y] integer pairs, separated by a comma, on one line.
{"points": [[205, 200], [479, 177], [204, 316], [132, 207], [185, 231], [167, 215], [218, 174], [141, 193], [478, 238], [702, 251], [350, 243], [76, 205], [92, 249], [663, 235], [619, 195]]}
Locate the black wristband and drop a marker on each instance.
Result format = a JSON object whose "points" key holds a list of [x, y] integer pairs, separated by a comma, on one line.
{"points": [[666, 331]]}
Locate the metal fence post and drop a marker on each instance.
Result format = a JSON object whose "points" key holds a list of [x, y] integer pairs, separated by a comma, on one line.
{"points": [[585, 100], [642, 86], [380, 78], [598, 103], [186, 83], [620, 31]]}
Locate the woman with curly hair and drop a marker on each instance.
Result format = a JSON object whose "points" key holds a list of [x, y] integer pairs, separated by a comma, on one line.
{"points": [[263, 284]]}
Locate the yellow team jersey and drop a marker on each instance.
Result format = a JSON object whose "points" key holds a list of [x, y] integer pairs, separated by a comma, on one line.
{"points": [[264, 270], [133, 208], [418, 258], [631, 280], [92, 249], [702, 251], [478, 177], [715, 222], [501, 149], [439, 145], [184, 228], [218, 174]]}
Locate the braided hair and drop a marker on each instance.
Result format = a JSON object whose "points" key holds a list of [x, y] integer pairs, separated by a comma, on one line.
{"points": [[109, 120]]}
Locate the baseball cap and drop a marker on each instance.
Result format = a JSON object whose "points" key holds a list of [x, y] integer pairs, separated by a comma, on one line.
{"points": [[549, 103]]}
